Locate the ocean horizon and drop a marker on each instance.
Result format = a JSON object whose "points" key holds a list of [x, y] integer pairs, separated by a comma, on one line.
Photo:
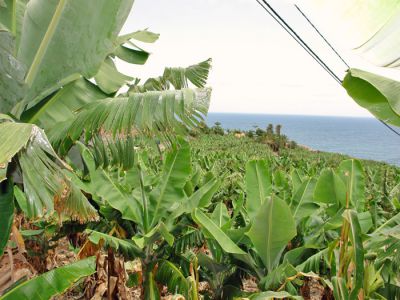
{"points": [[359, 137]]}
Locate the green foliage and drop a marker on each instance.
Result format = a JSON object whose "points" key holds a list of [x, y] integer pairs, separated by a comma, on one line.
{"points": [[219, 207], [271, 231], [375, 93], [53, 282], [12, 72], [50, 34], [6, 213]]}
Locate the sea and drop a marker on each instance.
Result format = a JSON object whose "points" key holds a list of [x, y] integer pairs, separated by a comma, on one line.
{"points": [[358, 137]]}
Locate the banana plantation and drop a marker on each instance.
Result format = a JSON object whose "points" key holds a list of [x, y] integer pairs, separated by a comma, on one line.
{"points": [[111, 189]]}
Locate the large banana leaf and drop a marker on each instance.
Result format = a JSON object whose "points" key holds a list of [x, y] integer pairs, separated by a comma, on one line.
{"points": [[12, 73], [63, 39], [169, 190], [380, 95], [352, 174], [271, 230], [6, 214], [258, 185], [330, 188], [149, 112], [52, 283]]}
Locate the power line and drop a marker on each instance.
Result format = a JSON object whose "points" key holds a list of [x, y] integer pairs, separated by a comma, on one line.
{"points": [[341, 58], [389, 127], [297, 38], [275, 15], [320, 34]]}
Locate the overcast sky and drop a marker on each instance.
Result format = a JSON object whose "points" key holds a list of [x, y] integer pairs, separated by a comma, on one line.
{"points": [[257, 67]]}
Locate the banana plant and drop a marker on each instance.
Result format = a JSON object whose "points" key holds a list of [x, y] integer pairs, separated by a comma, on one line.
{"points": [[44, 92], [30, 72], [151, 208], [270, 228], [40, 92]]}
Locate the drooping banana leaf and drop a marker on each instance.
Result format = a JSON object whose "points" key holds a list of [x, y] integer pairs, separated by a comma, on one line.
{"points": [[81, 34], [380, 95], [149, 112], [52, 283], [45, 185]]}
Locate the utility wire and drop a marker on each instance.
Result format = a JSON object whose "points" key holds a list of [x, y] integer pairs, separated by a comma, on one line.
{"points": [[320, 34], [340, 57], [275, 15], [297, 38]]}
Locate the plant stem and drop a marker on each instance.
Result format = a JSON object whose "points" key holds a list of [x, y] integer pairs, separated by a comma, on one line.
{"points": [[110, 260], [144, 200]]}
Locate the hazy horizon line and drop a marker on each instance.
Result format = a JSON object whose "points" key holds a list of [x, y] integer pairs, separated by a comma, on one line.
{"points": [[288, 114]]}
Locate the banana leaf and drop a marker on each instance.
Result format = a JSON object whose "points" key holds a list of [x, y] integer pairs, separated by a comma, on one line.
{"points": [[52, 283]]}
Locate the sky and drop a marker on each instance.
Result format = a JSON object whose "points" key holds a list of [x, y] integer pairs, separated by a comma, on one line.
{"points": [[257, 67]]}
